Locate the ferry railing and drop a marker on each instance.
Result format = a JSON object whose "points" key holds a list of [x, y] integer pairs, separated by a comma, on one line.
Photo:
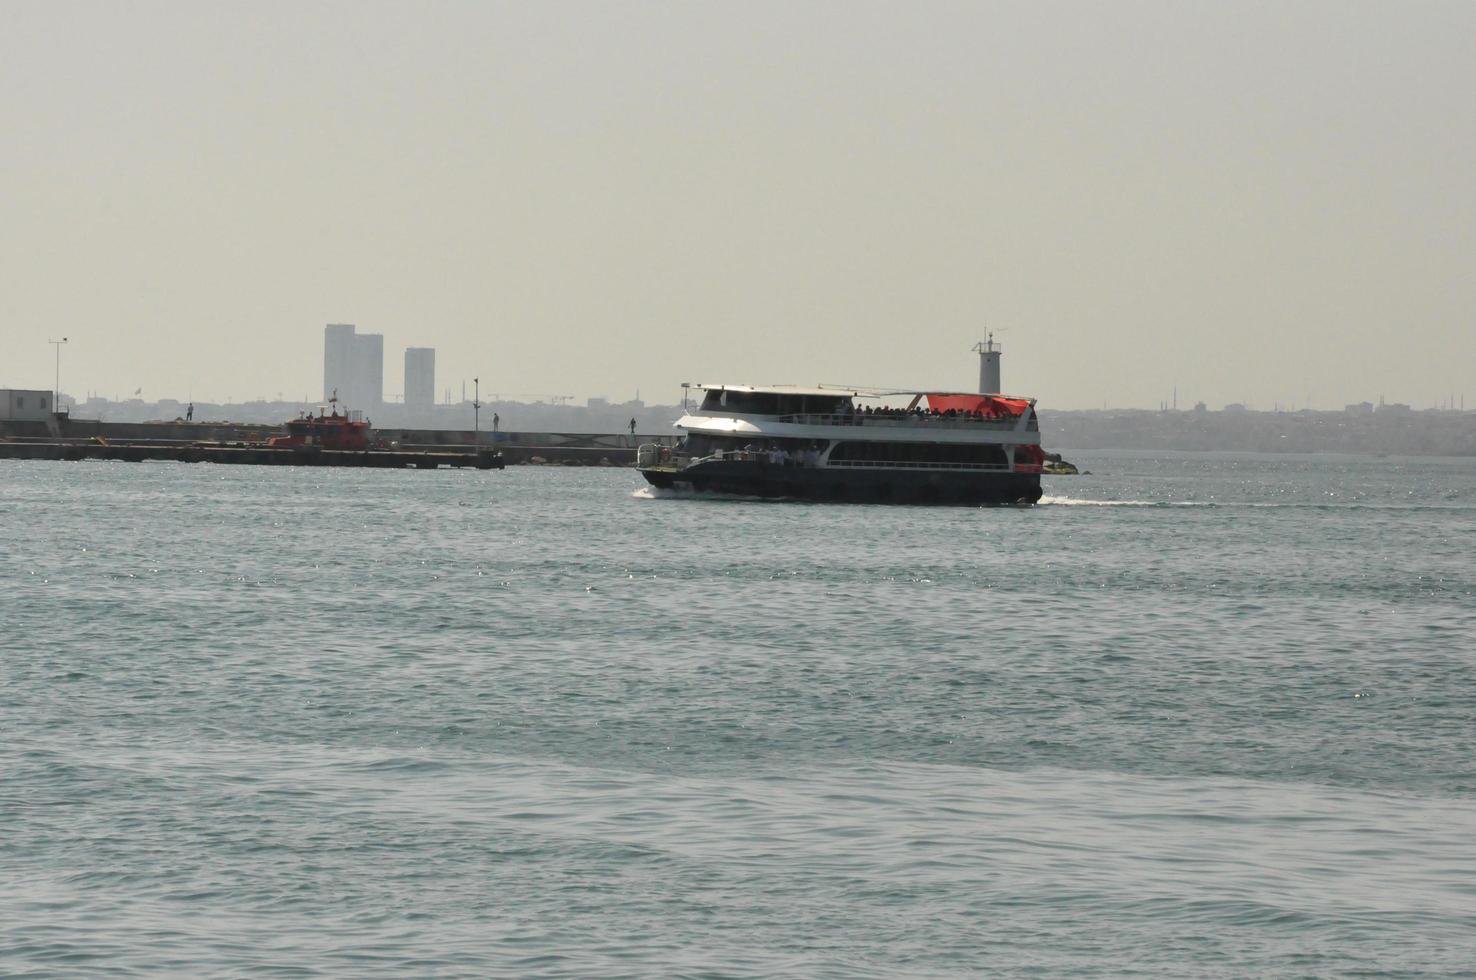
{"points": [[762, 456], [653, 454], [1007, 424], [681, 461]]}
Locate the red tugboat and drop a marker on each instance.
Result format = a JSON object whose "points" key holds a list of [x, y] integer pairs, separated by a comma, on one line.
{"points": [[326, 430]]}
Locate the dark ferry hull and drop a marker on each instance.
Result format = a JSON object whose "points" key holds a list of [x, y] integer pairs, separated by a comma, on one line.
{"points": [[853, 485]]}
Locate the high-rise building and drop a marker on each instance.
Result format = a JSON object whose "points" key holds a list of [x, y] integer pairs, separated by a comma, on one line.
{"points": [[420, 377], [353, 366], [369, 370], [338, 353]]}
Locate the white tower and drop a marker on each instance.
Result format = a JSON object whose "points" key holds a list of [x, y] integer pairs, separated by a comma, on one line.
{"points": [[988, 352]]}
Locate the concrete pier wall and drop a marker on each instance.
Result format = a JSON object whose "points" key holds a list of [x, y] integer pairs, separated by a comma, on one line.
{"points": [[566, 448]]}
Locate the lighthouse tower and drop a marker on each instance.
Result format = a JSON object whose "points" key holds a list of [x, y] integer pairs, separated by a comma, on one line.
{"points": [[988, 352]]}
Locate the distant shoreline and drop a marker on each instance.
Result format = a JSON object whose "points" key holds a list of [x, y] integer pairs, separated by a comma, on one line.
{"points": [[1364, 430], [1392, 431]]}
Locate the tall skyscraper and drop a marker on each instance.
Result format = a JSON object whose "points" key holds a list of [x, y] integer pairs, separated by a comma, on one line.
{"points": [[353, 365], [338, 353], [420, 377], [369, 368]]}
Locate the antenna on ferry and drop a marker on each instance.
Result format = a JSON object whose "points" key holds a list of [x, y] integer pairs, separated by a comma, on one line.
{"points": [[988, 352]]}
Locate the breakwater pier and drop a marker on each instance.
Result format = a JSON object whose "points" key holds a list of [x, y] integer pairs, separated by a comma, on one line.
{"points": [[246, 454], [64, 438]]}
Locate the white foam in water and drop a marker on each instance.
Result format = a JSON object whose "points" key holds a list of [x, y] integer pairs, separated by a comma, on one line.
{"points": [[1078, 502], [674, 493]]}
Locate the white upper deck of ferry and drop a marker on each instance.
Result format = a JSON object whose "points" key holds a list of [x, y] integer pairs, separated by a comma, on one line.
{"points": [[832, 412], [844, 391]]}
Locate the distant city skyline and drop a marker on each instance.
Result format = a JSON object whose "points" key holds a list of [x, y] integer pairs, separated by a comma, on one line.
{"points": [[444, 388], [369, 357], [1259, 203]]}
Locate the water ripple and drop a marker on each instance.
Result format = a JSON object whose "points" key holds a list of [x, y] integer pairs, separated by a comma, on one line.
{"points": [[1195, 715]]}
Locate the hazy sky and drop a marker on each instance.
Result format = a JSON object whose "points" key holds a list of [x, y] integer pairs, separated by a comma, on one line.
{"points": [[1256, 201]]}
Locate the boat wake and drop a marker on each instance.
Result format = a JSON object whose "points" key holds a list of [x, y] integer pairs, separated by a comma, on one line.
{"points": [[1049, 501], [672, 493], [1317, 505]]}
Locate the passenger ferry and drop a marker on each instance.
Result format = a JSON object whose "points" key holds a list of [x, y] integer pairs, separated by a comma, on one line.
{"points": [[821, 444]]}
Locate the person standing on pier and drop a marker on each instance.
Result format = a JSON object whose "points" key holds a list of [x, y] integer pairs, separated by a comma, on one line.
{"points": [[189, 412], [632, 428]]}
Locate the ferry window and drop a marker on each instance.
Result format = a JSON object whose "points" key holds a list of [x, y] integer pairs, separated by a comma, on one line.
{"points": [[752, 403], [822, 405], [773, 403]]}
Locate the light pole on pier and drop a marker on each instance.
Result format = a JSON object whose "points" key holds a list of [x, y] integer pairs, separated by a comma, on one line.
{"points": [[477, 412], [56, 392]]}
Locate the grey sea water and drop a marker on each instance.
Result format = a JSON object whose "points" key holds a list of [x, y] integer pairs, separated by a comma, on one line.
{"points": [[1193, 716]]}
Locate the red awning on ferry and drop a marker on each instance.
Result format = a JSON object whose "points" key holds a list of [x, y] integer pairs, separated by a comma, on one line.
{"points": [[990, 406]]}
